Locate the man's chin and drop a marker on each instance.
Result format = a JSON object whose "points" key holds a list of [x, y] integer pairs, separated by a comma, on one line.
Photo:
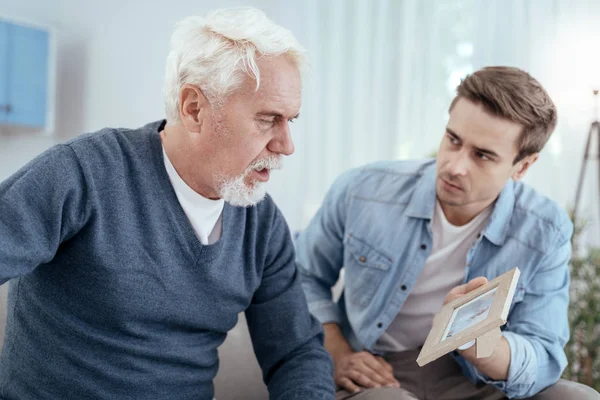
{"points": [[247, 197], [451, 201]]}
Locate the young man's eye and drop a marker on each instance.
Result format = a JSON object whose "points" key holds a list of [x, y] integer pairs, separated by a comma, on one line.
{"points": [[453, 140], [483, 156], [292, 120]]}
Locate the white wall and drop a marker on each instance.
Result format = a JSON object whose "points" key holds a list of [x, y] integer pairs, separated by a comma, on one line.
{"points": [[111, 55], [110, 66]]}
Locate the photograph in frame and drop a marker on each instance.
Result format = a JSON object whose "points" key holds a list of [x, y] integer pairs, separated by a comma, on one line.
{"points": [[474, 317]]}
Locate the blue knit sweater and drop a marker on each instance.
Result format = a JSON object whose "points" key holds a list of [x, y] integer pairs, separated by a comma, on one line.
{"points": [[113, 297]]}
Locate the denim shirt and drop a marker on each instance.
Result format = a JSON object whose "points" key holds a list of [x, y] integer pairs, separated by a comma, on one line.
{"points": [[375, 223]]}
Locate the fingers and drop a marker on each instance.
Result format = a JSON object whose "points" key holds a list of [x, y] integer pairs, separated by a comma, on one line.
{"points": [[372, 363], [455, 293], [384, 372], [348, 385], [366, 365], [364, 370], [365, 378], [385, 365], [465, 288], [475, 283], [387, 372]]}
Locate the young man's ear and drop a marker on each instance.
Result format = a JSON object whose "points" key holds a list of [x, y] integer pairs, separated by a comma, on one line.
{"points": [[192, 102], [522, 166]]}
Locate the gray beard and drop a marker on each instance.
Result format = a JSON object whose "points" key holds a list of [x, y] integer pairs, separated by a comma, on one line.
{"points": [[236, 192]]}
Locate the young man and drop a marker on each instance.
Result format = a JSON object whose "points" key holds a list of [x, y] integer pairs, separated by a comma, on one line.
{"points": [[411, 234], [132, 252]]}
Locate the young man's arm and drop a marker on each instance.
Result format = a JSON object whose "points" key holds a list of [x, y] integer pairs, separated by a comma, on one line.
{"points": [[530, 356], [319, 258]]}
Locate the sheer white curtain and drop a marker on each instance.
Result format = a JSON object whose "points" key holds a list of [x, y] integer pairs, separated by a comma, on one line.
{"points": [[384, 72], [558, 42], [376, 90]]}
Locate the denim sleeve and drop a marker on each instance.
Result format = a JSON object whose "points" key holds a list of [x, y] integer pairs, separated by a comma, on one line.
{"points": [[41, 205], [287, 339], [538, 328], [319, 251]]}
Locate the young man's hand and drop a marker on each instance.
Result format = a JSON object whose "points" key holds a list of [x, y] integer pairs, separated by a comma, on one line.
{"points": [[496, 365], [461, 290], [363, 369]]}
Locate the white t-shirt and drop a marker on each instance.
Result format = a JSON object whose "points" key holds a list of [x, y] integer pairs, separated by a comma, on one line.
{"points": [[204, 214], [444, 269]]}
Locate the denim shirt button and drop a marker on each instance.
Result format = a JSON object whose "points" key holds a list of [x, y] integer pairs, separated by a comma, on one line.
{"points": [[379, 324], [363, 259], [403, 287], [423, 246]]}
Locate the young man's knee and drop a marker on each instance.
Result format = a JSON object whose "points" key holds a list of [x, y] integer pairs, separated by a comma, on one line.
{"points": [[384, 393], [564, 389]]}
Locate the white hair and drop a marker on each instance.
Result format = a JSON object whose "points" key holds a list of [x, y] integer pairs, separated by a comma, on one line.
{"points": [[217, 52]]}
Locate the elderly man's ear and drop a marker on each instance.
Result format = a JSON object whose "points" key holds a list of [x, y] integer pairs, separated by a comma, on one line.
{"points": [[192, 107]]}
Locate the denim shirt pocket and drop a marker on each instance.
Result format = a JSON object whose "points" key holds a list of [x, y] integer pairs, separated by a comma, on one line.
{"points": [[366, 266]]}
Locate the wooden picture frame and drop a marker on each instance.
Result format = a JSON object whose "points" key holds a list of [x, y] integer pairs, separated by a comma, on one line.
{"points": [[476, 316]]}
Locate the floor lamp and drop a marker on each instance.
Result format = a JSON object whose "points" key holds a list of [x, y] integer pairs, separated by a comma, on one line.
{"points": [[587, 155]]}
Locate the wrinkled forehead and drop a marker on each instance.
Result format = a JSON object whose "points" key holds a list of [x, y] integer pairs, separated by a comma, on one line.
{"points": [[280, 86]]}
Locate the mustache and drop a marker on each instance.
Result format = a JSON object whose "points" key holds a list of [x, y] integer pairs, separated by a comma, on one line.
{"points": [[270, 163]]}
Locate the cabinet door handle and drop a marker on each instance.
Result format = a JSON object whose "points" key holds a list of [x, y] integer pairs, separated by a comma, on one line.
{"points": [[6, 107]]}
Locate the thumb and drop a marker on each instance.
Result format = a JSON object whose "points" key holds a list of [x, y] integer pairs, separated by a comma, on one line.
{"points": [[465, 288], [476, 283]]}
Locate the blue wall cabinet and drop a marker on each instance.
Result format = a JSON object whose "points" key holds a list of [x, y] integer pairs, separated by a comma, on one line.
{"points": [[3, 70], [24, 62]]}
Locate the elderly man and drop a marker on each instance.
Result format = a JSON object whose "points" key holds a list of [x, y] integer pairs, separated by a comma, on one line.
{"points": [[131, 252], [411, 234]]}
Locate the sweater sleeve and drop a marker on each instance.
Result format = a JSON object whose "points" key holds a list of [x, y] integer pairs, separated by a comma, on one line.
{"points": [[287, 340], [41, 206]]}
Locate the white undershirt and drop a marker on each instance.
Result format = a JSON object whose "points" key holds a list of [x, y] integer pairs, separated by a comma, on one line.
{"points": [[204, 214], [444, 269]]}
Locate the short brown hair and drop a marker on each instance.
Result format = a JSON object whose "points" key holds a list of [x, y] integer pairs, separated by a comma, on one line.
{"points": [[513, 94]]}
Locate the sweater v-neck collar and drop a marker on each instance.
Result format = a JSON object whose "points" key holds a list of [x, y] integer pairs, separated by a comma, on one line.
{"points": [[172, 203]]}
